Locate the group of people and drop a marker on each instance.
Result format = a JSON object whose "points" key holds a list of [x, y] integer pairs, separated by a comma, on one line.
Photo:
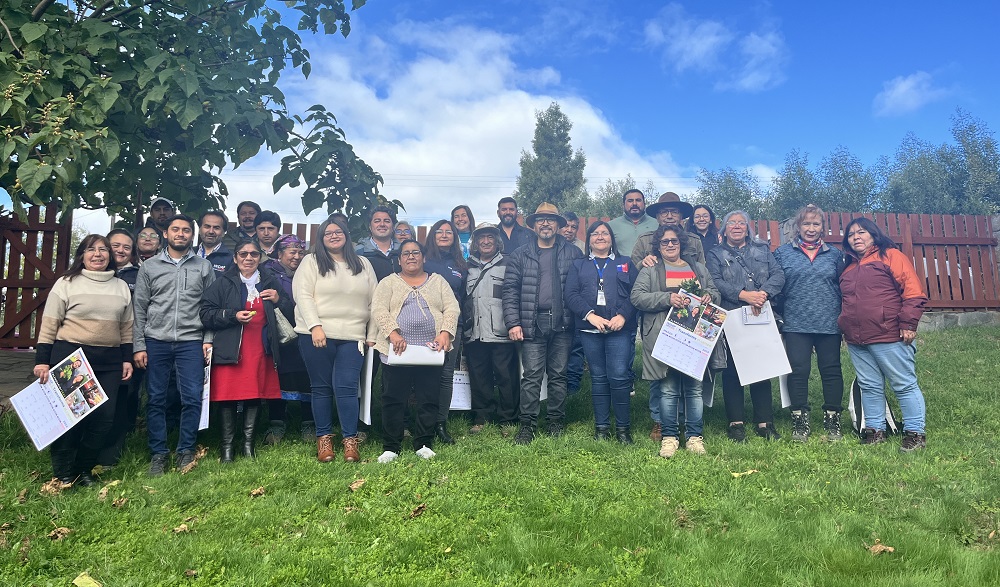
{"points": [[523, 304]]}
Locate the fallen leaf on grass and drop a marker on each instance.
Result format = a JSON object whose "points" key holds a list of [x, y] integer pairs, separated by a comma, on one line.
{"points": [[357, 484], [119, 502], [991, 536], [22, 553], [190, 519], [22, 496], [149, 489], [418, 510], [190, 573], [447, 550], [85, 580], [878, 548], [59, 533], [103, 493], [181, 528], [257, 492], [745, 473], [53, 487], [34, 475]]}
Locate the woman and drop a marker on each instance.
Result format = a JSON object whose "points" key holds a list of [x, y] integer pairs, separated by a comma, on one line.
{"points": [[702, 225], [87, 308], [444, 257], [463, 221], [412, 307], [126, 259], [597, 292], [811, 306], [883, 302], [287, 254], [240, 307], [333, 290], [746, 274], [403, 231], [148, 242], [656, 291]]}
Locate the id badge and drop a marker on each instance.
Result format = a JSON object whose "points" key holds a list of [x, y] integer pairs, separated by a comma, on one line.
{"points": [[601, 301]]}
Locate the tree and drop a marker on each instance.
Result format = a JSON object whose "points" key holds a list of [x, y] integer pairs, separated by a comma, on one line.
{"points": [[606, 201], [794, 187], [845, 185], [110, 102], [729, 189], [982, 161], [552, 172]]}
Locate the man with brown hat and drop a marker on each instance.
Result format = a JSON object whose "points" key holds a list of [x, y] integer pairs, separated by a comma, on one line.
{"points": [[669, 209], [535, 316]]}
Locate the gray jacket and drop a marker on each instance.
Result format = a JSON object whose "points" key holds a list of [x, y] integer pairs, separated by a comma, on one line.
{"points": [[483, 308], [168, 297], [733, 276]]}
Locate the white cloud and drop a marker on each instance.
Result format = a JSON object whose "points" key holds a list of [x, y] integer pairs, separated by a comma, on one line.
{"points": [[741, 61], [903, 95]]}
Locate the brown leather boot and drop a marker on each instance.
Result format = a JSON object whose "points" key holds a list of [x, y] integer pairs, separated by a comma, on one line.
{"points": [[655, 435], [351, 454], [324, 449]]}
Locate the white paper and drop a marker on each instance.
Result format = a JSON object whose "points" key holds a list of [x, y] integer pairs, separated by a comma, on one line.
{"points": [[415, 354], [461, 394], [786, 399], [71, 393], [206, 393], [764, 317], [688, 336], [756, 350], [365, 388]]}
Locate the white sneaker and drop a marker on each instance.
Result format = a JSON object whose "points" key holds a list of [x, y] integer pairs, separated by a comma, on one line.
{"points": [[387, 457], [696, 444], [668, 446], [426, 453]]}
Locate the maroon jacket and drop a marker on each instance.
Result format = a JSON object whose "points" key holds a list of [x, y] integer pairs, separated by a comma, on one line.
{"points": [[881, 297]]}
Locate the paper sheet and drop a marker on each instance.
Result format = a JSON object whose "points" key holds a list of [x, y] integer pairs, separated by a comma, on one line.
{"points": [[756, 350], [206, 393]]}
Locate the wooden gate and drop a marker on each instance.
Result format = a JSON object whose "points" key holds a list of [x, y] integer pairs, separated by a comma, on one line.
{"points": [[34, 254]]}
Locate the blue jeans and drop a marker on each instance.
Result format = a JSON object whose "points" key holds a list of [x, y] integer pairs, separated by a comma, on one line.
{"points": [[574, 370], [334, 371], [673, 387], [611, 381], [186, 360], [894, 362]]}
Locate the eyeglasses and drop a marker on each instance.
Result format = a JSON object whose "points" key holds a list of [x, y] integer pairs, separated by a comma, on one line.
{"points": [[444, 233], [149, 236], [604, 234], [736, 223], [702, 217], [546, 221], [402, 231], [333, 234], [670, 242], [96, 250], [251, 254], [410, 254]]}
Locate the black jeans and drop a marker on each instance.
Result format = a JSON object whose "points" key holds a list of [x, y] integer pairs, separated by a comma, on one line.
{"points": [[397, 384], [547, 353], [76, 451], [799, 347], [493, 365], [732, 393]]}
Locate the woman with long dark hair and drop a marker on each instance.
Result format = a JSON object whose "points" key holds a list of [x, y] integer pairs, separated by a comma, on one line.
{"points": [[464, 222], [88, 308], [444, 257], [702, 225], [148, 242], [882, 303], [333, 290]]}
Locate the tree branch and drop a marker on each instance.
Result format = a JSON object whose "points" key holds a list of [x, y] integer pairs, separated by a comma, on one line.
{"points": [[100, 10], [40, 9], [17, 51], [121, 13]]}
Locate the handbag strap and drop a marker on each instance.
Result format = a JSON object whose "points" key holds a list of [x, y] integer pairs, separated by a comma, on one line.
{"points": [[739, 259]]}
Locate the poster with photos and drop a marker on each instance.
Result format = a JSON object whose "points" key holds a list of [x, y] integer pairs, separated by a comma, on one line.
{"points": [[689, 335]]}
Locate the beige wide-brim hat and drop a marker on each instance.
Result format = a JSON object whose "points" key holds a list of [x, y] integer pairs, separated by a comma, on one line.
{"points": [[485, 228], [671, 200], [545, 209]]}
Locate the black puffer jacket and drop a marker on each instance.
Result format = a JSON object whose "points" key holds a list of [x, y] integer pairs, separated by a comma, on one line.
{"points": [[520, 286], [226, 296]]}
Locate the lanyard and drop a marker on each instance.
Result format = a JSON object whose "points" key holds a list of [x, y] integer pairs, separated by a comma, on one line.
{"points": [[600, 273]]}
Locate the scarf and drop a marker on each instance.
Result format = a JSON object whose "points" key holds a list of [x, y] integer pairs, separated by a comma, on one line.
{"points": [[251, 283], [810, 249]]}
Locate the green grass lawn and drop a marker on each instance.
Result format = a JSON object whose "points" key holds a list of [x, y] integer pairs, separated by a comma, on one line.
{"points": [[567, 511]]}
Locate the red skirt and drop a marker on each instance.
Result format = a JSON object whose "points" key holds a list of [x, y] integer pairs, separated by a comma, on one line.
{"points": [[254, 375]]}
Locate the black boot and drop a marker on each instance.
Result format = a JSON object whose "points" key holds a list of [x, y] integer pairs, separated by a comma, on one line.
{"points": [[249, 428], [228, 415], [442, 434], [624, 435]]}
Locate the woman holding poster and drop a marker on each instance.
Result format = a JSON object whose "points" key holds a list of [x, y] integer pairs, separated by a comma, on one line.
{"points": [[656, 293], [747, 275], [88, 308]]}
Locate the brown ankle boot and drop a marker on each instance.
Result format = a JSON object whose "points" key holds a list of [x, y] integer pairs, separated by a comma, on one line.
{"points": [[324, 449], [351, 454]]}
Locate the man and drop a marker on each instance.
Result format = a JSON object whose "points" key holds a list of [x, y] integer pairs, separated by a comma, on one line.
{"points": [[461, 217], [267, 229], [169, 337], [379, 248], [160, 212], [211, 230], [489, 352], [512, 235], [669, 209], [571, 229], [535, 316], [246, 213], [633, 223]]}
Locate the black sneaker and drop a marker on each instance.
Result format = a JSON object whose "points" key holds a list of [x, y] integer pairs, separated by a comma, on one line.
{"points": [[184, 460], [158, 465], [800, 426], [913, 441], [767, 432], [624, 436], [872, 436], [831, 425], [556, 429], [85, 480], [525, 435], [737, 433], [602, 433]]}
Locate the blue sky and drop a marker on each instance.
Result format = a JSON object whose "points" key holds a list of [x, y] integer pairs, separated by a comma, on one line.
{"points": [[440, 96]]}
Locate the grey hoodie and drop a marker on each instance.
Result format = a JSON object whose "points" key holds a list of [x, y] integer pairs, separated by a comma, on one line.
{"points": [[167, 299]]}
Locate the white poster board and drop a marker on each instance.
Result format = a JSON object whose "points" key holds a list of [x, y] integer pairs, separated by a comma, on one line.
{"points": [[365, 388], [461, 393], [47, 410], [689, 335], [756, 349], [206, 392]]}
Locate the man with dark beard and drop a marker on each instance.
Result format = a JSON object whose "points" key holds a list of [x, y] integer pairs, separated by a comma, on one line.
{"points": [[633, 223], [513, 235]]}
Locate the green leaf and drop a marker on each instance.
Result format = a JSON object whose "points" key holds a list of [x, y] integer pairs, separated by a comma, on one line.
{"points": [[32, 174], [32, 31], [192, 110], [306, 69], [156, 60], [109, 148], [189, 83]]}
